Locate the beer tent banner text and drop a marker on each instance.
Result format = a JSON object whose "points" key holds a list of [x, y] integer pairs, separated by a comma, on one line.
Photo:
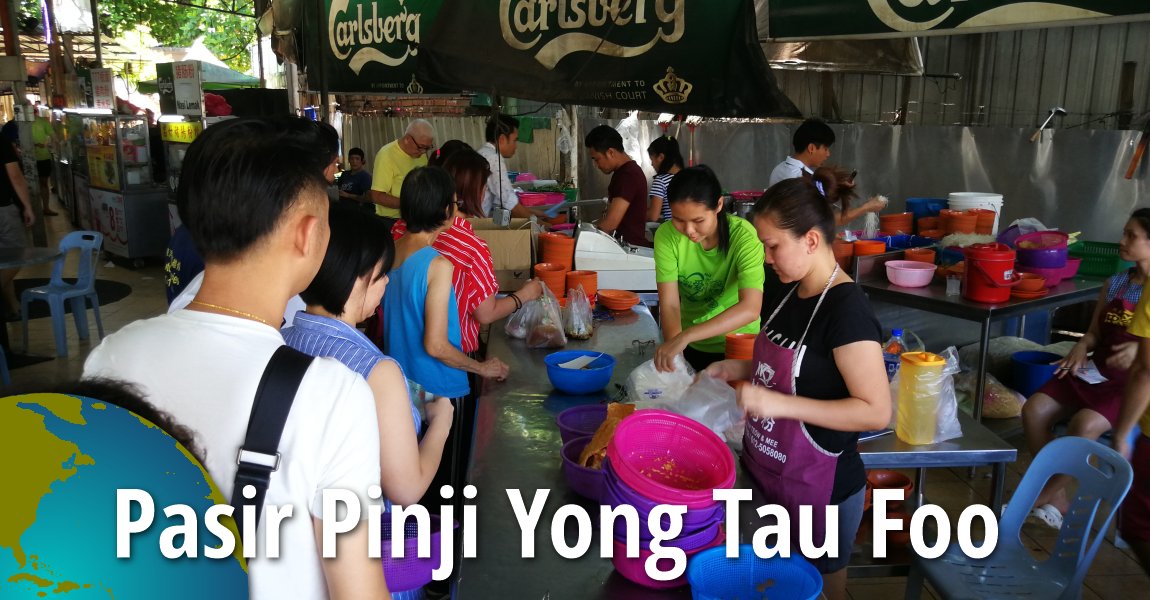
{"points": [[372, 46], [673, 56], [823, 19]]}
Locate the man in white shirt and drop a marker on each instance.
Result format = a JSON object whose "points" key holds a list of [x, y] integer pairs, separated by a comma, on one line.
{"points": [[253, 197], [812, 142], [502, 136]]}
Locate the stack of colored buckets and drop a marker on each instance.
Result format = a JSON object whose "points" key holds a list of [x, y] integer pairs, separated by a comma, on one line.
{"points": [[658, 457], [558, 249]]}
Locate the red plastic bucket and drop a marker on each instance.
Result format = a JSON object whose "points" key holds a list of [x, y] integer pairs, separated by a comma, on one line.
{"points": [[989, 273]]}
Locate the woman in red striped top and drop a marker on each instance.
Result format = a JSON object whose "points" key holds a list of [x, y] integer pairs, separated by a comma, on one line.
{"points": [[474, 276]]}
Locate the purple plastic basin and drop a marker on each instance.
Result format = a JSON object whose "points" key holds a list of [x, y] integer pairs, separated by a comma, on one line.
{"points": [[580, 421], [1043, 258], [616, 493], [582, 480], [409, 572]]}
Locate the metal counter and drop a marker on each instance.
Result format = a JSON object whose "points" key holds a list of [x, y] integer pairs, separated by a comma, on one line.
{"points": [[517, 446], [933, 299]]}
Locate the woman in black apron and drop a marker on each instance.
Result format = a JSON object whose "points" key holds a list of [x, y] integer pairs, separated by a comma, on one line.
{"points": [[817, 375]]}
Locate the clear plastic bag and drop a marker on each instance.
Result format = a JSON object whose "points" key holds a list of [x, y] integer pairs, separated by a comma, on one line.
{"points": [[998, 400], [545, 327], [577, 321], [517, 325], [709, 401], [941, 397], [646, 383]]}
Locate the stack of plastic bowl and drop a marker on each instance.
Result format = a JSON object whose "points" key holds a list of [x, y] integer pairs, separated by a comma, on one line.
{"points": [[739, 346], [658, 457], [1043, 253], [585, 481], [844, 251], [984, 220], [580, 421], [869, 247], [713, 576], [554, 276], [927, 224], [925, 255], [961, 222], [617, 300], [924, 207], [986, 200], [588, 279], [558, 249], [897, 223]]}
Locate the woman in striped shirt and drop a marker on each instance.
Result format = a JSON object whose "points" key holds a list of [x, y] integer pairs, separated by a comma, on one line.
{"points": [[667, 161], [345, 291], [474, 276]]}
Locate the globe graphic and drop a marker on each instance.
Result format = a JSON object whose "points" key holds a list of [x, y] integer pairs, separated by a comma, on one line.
{"points": [[63, 459]]}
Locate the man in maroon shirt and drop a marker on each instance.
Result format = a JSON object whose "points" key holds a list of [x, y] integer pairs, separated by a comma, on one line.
{"points": [[627, 192]]}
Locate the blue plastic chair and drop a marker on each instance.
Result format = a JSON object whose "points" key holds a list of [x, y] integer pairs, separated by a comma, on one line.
{"points": [[78, 294], [1103, 476]]}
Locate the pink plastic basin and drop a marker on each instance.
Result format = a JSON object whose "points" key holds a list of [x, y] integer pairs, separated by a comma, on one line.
{"points": [[909, 273]]}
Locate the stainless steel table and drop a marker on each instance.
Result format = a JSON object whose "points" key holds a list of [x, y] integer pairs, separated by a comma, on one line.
{"points": [[933, 299], [517, 446]]}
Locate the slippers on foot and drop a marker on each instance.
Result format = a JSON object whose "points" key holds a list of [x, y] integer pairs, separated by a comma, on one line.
{"points": [[1048, 515]]}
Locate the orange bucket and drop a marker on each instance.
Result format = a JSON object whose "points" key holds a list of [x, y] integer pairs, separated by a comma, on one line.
{"points": [[843, 253], [869, 247], [925, 255]]}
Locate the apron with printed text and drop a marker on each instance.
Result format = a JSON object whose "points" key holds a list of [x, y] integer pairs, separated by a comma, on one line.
{"points": [[786, 463]]}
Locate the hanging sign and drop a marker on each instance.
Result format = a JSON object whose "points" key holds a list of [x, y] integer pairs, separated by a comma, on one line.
{"points": [[103, 92], [673, 56], [374, 45], [821, 19]]}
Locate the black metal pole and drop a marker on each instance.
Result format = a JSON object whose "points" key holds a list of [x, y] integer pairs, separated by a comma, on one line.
{"points": [[96, 33], [321, 40]]}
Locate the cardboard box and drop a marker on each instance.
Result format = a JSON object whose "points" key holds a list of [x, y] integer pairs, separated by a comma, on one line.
{"points": [[512, 250]]}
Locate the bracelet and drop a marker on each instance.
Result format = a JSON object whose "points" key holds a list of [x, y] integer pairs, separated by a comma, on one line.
{"points": [[518, 302]]}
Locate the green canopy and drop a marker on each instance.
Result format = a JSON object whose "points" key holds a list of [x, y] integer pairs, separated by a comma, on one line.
{"points": [[215, 77]]}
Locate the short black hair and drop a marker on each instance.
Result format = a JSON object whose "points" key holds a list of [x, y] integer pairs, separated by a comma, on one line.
{"points": [[439, 156], [500, 125], [356, 152], [603, 138], [812, 131], [425, 197], [699, 184], [128, 396], [358, 243], [241, 175]]}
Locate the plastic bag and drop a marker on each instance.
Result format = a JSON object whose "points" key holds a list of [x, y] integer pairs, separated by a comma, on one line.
{"points": [[708, 400], [545, 327], [577, 322], [517, 325], [647, 383], [947, 426], [998, 400]]}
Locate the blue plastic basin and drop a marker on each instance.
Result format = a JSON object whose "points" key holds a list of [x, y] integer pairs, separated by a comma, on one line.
{"points": [[592, 378], [1031, 369]]}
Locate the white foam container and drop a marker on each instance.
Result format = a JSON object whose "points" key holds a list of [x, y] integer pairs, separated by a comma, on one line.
{"points": [[985, 200]]}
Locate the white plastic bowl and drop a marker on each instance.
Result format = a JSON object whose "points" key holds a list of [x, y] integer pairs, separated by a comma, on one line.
{"points": [[909, 273]]}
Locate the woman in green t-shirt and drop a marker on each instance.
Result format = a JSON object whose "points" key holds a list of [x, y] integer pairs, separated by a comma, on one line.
{"points": [[709, 271]]}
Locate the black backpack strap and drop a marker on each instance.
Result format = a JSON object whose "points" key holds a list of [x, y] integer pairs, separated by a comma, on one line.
{"points": [[259, 455]]}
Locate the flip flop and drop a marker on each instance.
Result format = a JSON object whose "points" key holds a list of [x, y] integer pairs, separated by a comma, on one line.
{"points": [[1048, 515]]}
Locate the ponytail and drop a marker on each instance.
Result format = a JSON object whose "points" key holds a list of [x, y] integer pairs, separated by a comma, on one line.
{"points": [[699, 184], [834, 184]]}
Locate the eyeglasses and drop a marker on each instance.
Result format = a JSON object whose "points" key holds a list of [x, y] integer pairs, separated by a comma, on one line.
{"points": [[421, 147]]}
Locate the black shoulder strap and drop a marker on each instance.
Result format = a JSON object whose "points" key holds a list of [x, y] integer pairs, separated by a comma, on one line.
{"points": [[259, 455]]}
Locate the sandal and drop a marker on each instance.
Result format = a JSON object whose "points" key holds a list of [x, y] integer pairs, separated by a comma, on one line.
{"points": [[1048, 515]]}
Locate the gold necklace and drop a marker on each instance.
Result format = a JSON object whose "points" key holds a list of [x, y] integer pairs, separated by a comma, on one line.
{"points": [[239, 313]]}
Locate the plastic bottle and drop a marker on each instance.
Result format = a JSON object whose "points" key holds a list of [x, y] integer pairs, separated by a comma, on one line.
{"points": [[891, 351], [919, 392]]}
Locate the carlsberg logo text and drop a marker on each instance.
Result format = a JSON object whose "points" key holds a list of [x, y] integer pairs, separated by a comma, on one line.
{"points": [[357, 35]]}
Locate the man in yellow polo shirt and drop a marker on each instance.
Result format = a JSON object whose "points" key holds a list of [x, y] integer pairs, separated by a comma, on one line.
{"points": [[394, 161], [1134, 520]]}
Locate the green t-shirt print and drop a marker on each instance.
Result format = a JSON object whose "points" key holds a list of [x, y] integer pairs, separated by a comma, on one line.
{"points": [[709, 281]]}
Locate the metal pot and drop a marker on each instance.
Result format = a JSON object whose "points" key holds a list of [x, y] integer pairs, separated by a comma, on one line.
{"points": [[743, 209]]}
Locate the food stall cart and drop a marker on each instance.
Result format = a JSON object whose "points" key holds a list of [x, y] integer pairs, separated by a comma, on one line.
{"points": [[110, 157]]}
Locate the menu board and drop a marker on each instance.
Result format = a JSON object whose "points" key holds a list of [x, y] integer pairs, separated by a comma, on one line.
{"points": [[103, 92]]}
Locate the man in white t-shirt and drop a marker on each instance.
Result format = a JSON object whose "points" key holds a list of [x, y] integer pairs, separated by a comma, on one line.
{"points": [[812, 143], [252, 194]]}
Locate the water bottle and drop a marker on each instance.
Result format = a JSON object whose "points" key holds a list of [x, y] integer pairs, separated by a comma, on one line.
{"points": [[891, 351]]}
